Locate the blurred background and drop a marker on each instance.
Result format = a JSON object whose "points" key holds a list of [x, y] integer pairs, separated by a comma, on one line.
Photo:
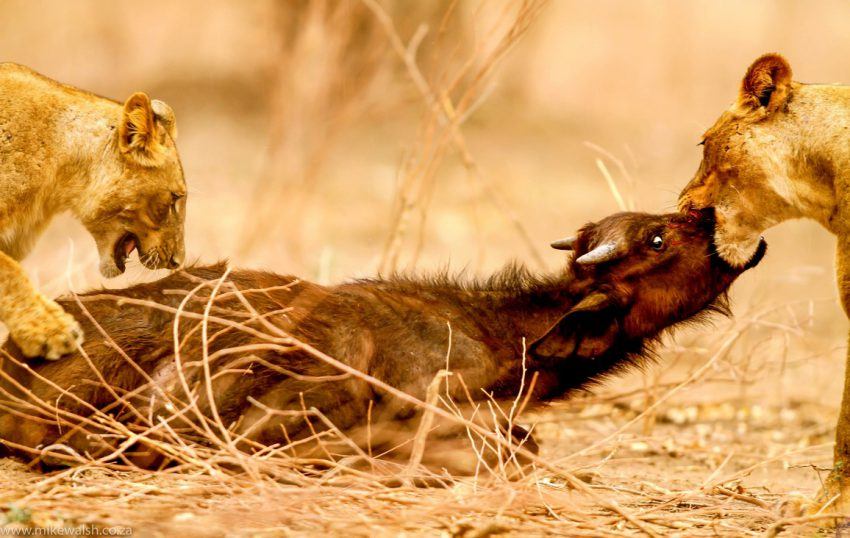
{"points": [[337, 138]]}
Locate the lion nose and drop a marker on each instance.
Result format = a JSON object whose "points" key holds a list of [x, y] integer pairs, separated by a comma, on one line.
{"points": [[175, 262]]}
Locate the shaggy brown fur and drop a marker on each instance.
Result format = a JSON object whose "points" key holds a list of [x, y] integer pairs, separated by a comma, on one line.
{"points": [[577, 327]]}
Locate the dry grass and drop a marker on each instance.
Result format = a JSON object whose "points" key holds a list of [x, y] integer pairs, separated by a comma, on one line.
{"points": [[609, 479], [450, 100], [732, 426]]}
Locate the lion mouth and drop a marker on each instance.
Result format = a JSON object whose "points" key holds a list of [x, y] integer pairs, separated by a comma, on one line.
{"points": [[123, 248], [759, 254], [748, 263], [708, 217]]}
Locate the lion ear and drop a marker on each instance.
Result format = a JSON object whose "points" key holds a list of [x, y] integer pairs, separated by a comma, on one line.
{"points": [[164, 116], [767, 84], [137, 136]]}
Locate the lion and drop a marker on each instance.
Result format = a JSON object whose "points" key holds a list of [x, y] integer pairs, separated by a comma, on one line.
{"points": [[780, 152], [114, 166]]}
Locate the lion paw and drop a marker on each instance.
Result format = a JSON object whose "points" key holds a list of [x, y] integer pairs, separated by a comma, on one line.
{"points": [[45, 330], [826, 508], [794, 505]]}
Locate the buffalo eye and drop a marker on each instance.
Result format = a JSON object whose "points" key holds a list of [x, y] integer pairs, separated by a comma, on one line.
{"points": [[656, 242]]}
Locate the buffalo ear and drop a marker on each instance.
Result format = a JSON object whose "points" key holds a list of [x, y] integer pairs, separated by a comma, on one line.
{"points": [[767, 84], [583, 331]]}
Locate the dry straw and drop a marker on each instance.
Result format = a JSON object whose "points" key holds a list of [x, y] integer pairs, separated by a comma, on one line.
{"points": [[554, 496]]}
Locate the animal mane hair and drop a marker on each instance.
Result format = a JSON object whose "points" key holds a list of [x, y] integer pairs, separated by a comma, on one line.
{"points": [[512, 280]]}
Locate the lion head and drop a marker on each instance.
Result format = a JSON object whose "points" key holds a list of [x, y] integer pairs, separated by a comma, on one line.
{"points": [[139, 203], [760, 163]]}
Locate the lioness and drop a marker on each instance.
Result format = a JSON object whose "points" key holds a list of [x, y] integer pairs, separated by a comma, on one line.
{"points": [[114, 166], [782, 151]]}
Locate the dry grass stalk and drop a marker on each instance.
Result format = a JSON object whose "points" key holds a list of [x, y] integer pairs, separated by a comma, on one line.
{"points": [[440, 130], [330, 69]]}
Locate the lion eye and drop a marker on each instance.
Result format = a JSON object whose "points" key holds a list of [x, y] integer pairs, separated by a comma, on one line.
{"points": [[175, 199], [657, 242]]}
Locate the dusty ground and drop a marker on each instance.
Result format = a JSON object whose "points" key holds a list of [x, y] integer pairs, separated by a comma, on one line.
{"points": [[704, 470]]}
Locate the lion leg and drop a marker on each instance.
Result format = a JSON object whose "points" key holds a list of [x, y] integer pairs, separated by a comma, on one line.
{"points": [[36, 324], [834, 497]]}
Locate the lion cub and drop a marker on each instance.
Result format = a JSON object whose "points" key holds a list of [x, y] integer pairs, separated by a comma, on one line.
{"points": [[115, 167]]}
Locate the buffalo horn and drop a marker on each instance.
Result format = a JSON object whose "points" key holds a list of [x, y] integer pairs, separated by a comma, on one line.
{"points": [[567, 243], [603, 253]]}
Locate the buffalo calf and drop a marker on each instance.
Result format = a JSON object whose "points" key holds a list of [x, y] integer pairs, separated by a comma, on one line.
{"points": [[249, 345]]}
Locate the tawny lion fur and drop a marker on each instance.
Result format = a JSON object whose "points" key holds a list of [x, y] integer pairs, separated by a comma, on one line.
{"points": [[114, 167], [780, 152]]}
